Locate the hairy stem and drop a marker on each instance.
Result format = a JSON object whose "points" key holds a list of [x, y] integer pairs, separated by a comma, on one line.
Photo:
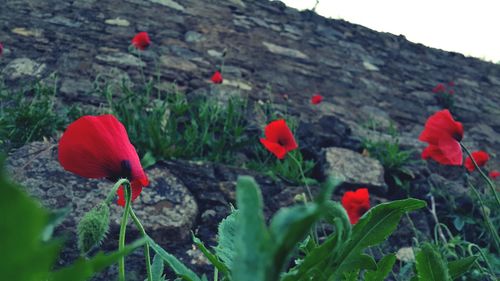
{"points": [[123, 229], [485, 177], [146, 246]]}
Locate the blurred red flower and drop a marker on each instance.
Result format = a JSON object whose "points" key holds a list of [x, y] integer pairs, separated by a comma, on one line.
{"points": [[356, 203], [443, 135], [316, 99], [439, 88], [451, 83], [217, 77], [1, 49], [141, 41], [279, 139], [451, 91], [494, 174], [99, 147], [481, 157]]}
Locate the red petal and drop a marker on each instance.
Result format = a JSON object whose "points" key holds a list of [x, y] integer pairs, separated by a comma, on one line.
{"points": [[356, 203], [481, 158], [97, 147], [494, 174], [278, 150], [316, 99], [141, 40], [278, 132], [217, 78], [451, 149], [441, 125]]}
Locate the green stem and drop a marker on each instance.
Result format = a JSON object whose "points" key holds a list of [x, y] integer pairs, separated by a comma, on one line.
{"points": [[303, 176], [310, 196], [485, 259], [490, 226], [146, 246], [112, 193], [123, 228], [216, 274], [485, 177]]}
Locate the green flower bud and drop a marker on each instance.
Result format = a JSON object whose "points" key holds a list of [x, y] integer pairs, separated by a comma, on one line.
{"points": [[93, 228]]}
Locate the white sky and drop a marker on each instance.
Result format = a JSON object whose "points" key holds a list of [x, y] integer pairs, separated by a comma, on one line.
{"points": [[463, 26]]}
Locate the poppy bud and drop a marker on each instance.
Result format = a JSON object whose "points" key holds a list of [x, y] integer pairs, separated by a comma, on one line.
{"points": [[93, 228]]}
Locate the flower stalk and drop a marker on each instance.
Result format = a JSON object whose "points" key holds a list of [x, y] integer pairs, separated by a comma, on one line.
{"points": [[123, 229]]}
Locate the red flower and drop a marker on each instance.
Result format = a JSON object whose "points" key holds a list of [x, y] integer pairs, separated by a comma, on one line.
{"points": [[494, 174], [98, 147], [217, 77], [1, 49], [451, 91], [451, 83], [439, 88], [141, 41], [316, 99], [443, 135], [356, 203], [279, 139], [481, 158]]}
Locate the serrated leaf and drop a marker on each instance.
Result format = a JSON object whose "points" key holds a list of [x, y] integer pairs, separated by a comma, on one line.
{"points": [[384, 267], [214, 260], [252, 241], [157, 268], [176, 265], [430, 265], [83, 268], [458, 267], [225, 237]]}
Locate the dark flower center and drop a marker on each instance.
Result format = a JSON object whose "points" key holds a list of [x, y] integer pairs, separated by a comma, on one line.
{"points": [[125, 172]]}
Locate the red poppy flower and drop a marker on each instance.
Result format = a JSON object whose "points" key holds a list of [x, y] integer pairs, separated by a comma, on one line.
{"points": [[98, 147], [1, 49], [356, 203], [443, 135], [494, 174], [316, 99], [439, 88], [279, 139], [451, 91], [481, 158], [141, 41], [451, 83], [217, 77]]}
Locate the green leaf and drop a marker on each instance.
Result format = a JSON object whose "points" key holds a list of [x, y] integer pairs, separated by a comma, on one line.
{"points": [[253, 242], [335, 214], [211, 257], [458, 267], [327, 188], [384, 268], [288, 228], [83, 269], [373, 228], [56, 217], [226, 235], [157, 269], [351, 276], [24, 256], [430, 265], [176, 265]]}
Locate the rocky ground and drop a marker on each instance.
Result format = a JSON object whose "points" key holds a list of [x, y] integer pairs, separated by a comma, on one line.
{"points": [[271, 50]]}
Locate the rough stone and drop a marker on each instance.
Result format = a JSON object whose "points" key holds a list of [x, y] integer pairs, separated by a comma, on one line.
{"points": [[193, 36], [280, 50], [117, 21], [355, 168], [122, 59], [166, 207], [169, 3], [22, 67]]}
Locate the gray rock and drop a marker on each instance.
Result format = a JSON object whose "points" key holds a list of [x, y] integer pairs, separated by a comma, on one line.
{"points": [[121, 59], [169, 3], [280, 50], [23, 67], [166, 207], [355, 168], [193, 36]]}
